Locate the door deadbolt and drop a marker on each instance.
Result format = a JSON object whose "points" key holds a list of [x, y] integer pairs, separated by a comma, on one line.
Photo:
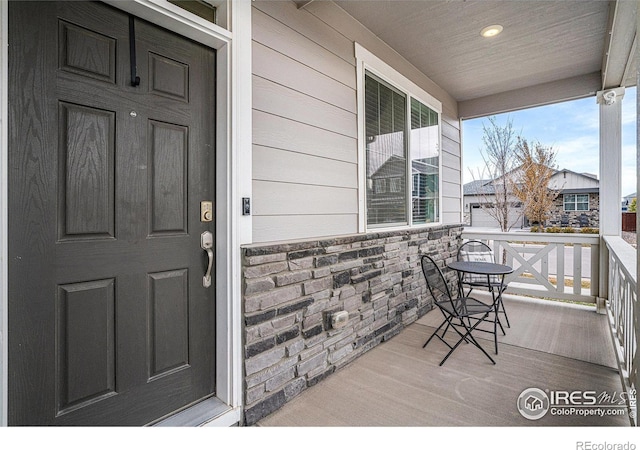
{"points": [[206, 211]]}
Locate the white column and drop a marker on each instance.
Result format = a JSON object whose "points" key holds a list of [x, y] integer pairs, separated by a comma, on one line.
{"points": [[636, 314], [240, 225], [610, 102]]}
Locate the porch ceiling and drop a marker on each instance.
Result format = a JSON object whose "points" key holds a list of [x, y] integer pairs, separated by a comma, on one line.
{"points": [[549, 51]]}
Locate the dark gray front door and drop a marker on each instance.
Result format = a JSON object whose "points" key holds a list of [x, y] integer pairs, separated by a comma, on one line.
{"points": [[109, 322]]}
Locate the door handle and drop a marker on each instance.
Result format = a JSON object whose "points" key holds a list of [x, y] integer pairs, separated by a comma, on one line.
{"points": [[206, 242]]}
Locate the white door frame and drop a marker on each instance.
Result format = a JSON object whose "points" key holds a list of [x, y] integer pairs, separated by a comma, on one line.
{"points": [[233, 178]]}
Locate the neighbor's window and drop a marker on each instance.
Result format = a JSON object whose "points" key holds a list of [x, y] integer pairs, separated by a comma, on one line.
{"points": [[396, 149], [576, 202]]}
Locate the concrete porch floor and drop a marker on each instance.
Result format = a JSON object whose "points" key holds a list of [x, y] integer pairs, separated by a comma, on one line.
{"points": [[550, 346]]}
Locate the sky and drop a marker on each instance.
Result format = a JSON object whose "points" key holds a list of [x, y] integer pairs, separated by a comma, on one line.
{"points": [[570, 128]]}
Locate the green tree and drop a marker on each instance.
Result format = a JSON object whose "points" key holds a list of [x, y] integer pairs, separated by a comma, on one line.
{"points": [[633, 206]]}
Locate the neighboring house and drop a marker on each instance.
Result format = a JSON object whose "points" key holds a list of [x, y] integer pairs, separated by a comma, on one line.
{"points": [[626, 201], [577, 204], [477, 197], [190, 196]]}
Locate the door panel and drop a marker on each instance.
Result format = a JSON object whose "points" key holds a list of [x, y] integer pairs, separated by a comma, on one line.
{"points": [[168, 177], [86, 343], [109, 323], [86, 172]]}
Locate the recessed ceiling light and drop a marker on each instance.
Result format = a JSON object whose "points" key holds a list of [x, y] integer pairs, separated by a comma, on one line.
{"points": [[491, 31]]}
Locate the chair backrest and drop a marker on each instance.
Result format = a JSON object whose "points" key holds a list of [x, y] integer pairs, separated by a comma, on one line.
{"points": [[435, 280], [476, 251], [584, 220]]}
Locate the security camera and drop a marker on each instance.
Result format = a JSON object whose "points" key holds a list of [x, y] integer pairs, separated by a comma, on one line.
{"points": [[609, 97]]}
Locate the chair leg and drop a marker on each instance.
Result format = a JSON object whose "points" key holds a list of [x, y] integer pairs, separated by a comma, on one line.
{"points": [[504, 311], [447, 320], [497, 318], [497, 300], [464, 337], [435, 333], [477, 344], [496, 321]]}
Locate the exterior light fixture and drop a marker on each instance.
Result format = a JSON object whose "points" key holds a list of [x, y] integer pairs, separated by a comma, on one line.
{"points": [[491, 31]]}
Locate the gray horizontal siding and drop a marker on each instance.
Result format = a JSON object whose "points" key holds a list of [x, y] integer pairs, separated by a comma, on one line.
{"points": [[451, 169], [272, 65], [287, 134], [451, 217], [450, 160], [450, 174], [308, 26], [271, 164], [281, 228], [451, 190], [450, 129], [273, 198], [305, 153], [280, 37], [282, 101]]}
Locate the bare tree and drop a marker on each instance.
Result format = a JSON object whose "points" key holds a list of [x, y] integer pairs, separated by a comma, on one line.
{"points": [[500, 164], [532, 188]]}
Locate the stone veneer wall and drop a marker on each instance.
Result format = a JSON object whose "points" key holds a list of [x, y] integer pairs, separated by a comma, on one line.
{"points": [[290, 290], [593, 214]]}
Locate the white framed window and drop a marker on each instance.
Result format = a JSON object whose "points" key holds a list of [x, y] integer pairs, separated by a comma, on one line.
{"points": [[576, 202], [395, 184], [399, 148], [379, 185]]}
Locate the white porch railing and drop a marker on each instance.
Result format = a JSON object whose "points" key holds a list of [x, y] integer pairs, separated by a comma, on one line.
{"points": [[566, 267], [556, 266], [621, 309]]}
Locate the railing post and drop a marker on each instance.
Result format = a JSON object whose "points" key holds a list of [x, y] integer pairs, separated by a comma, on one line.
{"points": [[601, 306], [560, 275], [577, 269], [603, 279]]}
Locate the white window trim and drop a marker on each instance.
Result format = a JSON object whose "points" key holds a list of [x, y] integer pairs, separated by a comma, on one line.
{"points": [[367, 61], [575, 203]]}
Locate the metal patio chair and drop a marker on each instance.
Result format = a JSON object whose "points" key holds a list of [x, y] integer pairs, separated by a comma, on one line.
{"points": [[459, 313], [479, 251], [583, 220]]}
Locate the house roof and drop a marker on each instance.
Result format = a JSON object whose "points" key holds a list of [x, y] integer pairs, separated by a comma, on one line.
{"points": [[581, 174], [591, 190], [486, 187], [549, 51], [478, 187]]}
